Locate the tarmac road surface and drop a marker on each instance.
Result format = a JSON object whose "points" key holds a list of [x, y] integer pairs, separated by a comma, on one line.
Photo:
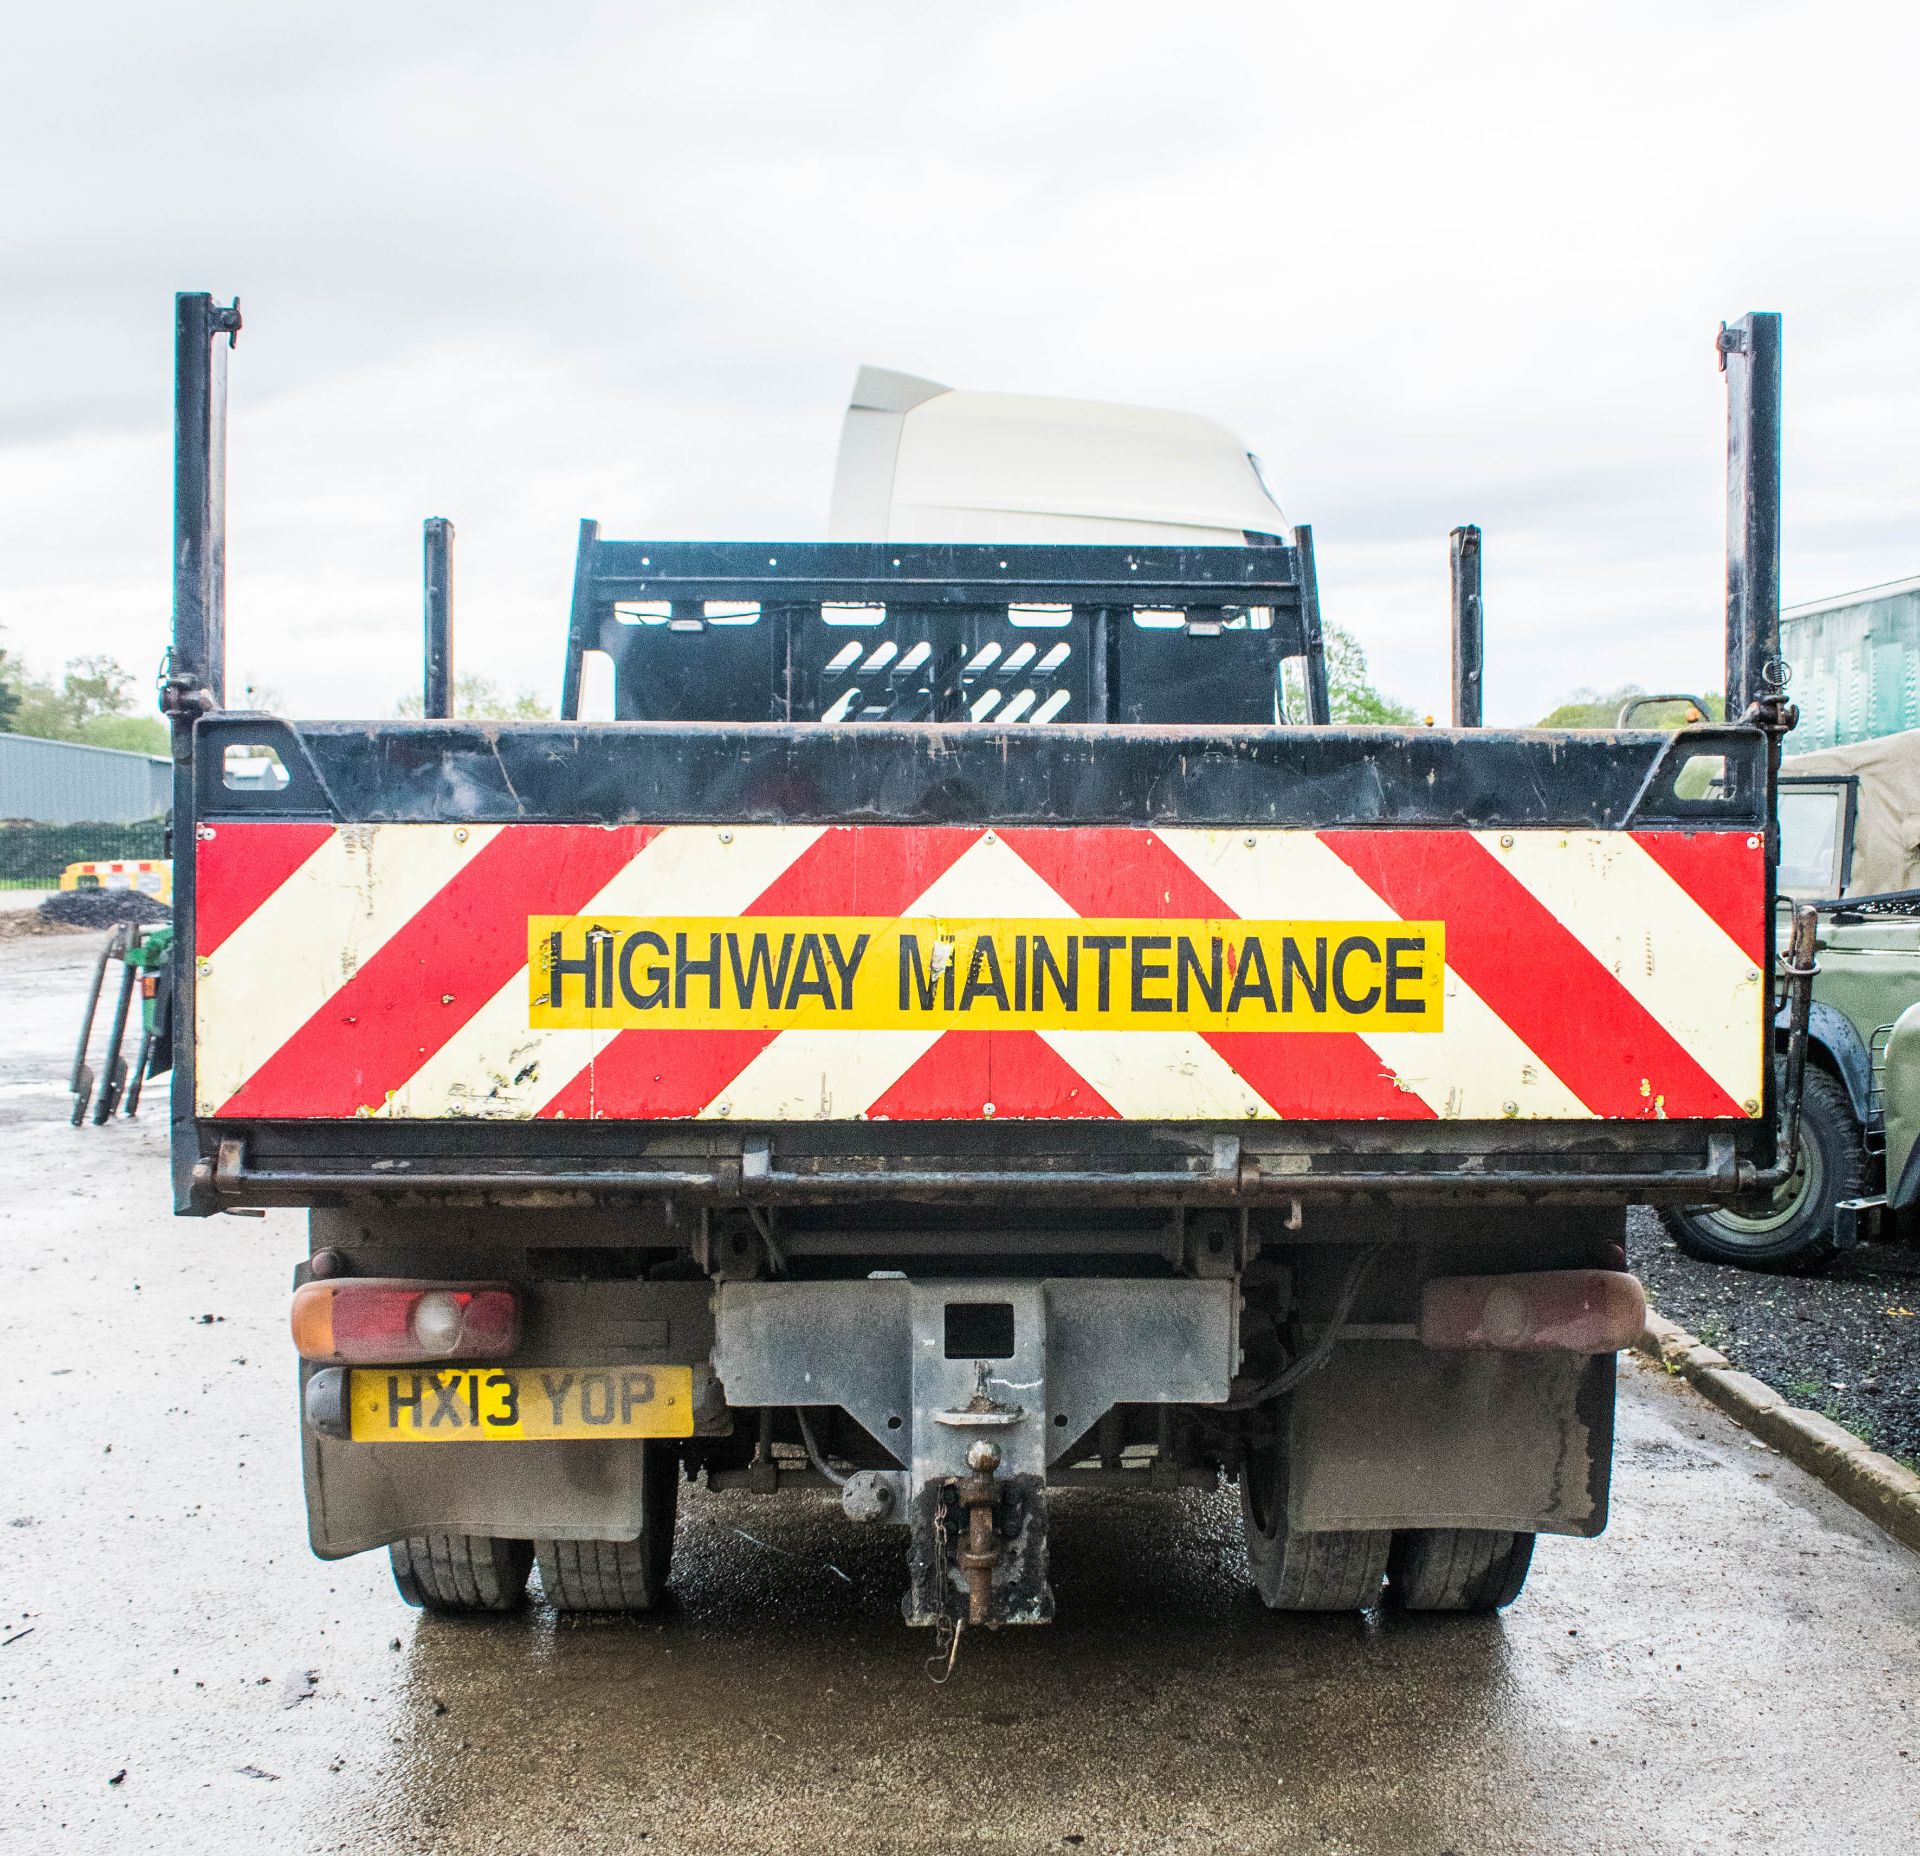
{"points": [[1734, 1666]]}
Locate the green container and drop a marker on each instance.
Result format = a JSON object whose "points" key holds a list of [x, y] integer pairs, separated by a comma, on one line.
{"points": [[1856, 665]]}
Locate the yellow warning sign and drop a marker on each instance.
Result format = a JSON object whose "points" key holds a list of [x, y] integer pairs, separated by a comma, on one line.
{"points": [[777, 973]]}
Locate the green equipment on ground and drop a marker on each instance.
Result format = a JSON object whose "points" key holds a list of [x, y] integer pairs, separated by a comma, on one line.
{"points": [[143, 957]]}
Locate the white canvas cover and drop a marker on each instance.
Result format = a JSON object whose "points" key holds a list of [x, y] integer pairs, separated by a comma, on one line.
{"points": [[1886, 831]]}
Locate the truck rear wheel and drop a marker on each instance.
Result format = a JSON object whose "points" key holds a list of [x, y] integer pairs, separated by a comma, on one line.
{"points": [[618, 1575], [461, 1572], [1295, 1571], [1794, 1230], [1457, 1568]]}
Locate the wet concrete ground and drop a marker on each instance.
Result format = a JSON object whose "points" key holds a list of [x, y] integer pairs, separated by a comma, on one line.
{"points": [[1735, 1665]]}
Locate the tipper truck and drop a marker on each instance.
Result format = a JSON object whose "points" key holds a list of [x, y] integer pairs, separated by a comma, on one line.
{"points": [[809, 1081]]}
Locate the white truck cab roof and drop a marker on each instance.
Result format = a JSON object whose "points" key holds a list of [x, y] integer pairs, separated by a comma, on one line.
{"points": [[923, 462]]}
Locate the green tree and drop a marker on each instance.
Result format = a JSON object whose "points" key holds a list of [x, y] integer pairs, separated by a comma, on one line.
{"points": [[1350, 691], [94, 688], [93, 703], [131, 734], [10, 673], [481, 699], [1594, 709]]}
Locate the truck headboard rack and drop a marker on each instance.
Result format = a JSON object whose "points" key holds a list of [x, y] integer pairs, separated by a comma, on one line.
{"points": [[909, 632]]}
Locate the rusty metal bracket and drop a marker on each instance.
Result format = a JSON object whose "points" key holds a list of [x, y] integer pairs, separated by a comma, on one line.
{"points": [[184, 696], [1774, 712], [1800, 969]]}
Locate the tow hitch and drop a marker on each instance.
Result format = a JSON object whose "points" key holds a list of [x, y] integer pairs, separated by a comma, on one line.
{"points": [[980, 1552], [979, 1390]]}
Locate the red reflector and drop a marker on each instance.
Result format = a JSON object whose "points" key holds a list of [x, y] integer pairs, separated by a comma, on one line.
{"points": [[377, 1321], [1548, 1311]]}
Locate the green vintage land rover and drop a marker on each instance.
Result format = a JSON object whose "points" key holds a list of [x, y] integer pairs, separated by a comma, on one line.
{"points": [[1849, 844]]}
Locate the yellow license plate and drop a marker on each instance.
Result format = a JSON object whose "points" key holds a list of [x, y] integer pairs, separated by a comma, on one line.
{"points": [[469, 1404]]}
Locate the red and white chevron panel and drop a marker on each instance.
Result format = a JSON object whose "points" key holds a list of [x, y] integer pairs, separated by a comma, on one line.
{"points": [[383, 970]]}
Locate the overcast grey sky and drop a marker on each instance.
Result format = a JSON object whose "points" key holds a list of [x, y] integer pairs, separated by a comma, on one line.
{"points": [[520, 264]]}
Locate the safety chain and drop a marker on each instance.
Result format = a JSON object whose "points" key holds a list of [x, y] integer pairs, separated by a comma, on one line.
{"points": [[947, 1625]]}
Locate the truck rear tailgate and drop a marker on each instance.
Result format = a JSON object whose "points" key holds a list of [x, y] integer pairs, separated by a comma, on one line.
{"points": [[769, 926]]}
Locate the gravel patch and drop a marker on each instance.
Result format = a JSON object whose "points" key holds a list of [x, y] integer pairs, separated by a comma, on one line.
{"points": [[103, 908], [1845, 1342], [20, 924]]}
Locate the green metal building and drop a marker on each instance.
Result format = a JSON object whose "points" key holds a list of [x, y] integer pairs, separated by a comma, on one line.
{"points": [[1856, 665]]}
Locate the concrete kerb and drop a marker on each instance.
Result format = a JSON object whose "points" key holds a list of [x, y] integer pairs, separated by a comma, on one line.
{"points": [[1885, 1492]]}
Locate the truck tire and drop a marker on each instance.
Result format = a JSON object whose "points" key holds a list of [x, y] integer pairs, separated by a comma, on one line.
{"points": [[461, 1572], [1457, 1568], [1295, 1571], [618, 1575], [1795, 1231]]}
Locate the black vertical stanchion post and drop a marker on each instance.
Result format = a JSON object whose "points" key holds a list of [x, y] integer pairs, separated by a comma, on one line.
{"points": [[199, 660], [580, 621], [1469, 626], [437, 663], [1750, 353], [1756, 674], [1319, 697], [196, 680]]}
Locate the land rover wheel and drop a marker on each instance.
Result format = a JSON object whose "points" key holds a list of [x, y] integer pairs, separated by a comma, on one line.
{"points": [[1794, 1231], [461, 1572], [1295, 1571]]}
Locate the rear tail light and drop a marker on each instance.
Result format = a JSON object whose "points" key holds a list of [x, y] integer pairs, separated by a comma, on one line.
{"points": [[1549, 1311], [379, 1321]]}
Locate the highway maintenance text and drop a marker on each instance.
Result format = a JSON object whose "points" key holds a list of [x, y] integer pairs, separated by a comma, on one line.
{"points": [[878, 973]]}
